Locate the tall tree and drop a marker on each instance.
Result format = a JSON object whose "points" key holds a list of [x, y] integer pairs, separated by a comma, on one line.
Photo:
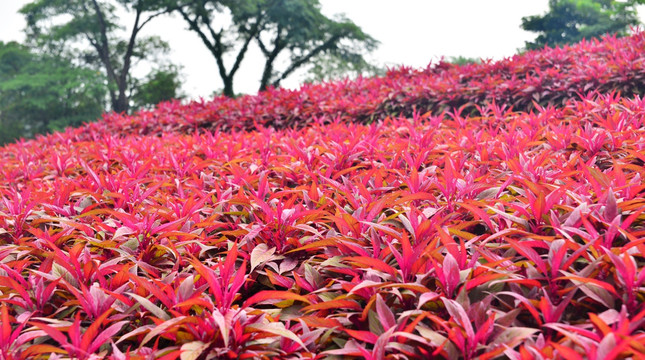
{"points": [[569, 21], [292, 30], [68, 25], [41, 93]]}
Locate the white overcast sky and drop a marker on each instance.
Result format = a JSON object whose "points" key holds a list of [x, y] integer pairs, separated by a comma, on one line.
{"points": [[412, 32]]}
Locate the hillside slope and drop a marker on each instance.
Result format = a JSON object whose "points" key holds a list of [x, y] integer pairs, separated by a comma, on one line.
{"points": [[214, 230], [545, 77]]}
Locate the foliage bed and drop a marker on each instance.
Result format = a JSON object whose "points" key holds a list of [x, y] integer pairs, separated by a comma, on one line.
{"points": [[550, 76], [506, 234]]}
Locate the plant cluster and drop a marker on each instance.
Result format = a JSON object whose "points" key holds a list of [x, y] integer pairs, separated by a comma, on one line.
{"points": [[551, 76], [500, 234]]}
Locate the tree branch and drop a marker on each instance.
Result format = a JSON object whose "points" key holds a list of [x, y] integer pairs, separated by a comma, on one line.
{"points": [[195, 27], [270, 58], [240, 55], [154, 16], [215, 47], [305, 59], [263, 47], [102, 45]]}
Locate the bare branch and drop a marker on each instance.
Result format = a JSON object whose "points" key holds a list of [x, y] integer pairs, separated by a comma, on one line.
{"points": [[306, 58], [154, 16]]}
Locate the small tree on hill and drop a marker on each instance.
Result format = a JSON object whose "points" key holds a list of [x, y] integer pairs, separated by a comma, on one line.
{"points": [[160, 85], [569, 21]]}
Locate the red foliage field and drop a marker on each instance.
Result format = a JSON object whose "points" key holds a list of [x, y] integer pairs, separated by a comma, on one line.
{"points": [[547, 77], [225, 230]]}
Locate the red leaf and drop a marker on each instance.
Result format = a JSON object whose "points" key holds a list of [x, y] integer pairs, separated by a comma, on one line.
{"points": [[362, 335], [371, 263]]}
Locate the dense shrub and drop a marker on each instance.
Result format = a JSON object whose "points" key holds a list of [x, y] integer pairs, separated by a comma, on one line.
{"points": [[545, 77], [505, 234]]}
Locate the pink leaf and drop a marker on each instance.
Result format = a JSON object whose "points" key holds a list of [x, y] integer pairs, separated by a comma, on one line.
{"points": [[459, 314], [384, 313], [451, 274]]}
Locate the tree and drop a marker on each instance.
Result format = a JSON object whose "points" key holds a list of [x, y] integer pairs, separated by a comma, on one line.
{"points": [[70, 25], [462, 60], [160, 85], [326, 67], [294, 30], [43, 93], [569, 21]]}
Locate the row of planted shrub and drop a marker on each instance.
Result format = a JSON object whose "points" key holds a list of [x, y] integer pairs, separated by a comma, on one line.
{"points": [[545, 77], [510, 234]]}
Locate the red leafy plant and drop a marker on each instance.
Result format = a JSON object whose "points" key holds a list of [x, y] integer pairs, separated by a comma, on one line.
{"points": [[216, 230]]}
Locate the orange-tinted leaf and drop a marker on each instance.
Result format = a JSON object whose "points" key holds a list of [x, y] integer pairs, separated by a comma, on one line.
{"points": [[268, 295], [333, 304]]}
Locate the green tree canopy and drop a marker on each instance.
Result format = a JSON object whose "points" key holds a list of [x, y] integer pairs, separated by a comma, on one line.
{"points": [[160, 85], [326, 67], [41, 93], [569, 21], [92, 28], [291, 31]]}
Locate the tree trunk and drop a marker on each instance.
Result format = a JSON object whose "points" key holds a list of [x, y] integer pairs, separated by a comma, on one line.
{"points": [[270, 58], [266, 75], [121, 104], [228, 87]]}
